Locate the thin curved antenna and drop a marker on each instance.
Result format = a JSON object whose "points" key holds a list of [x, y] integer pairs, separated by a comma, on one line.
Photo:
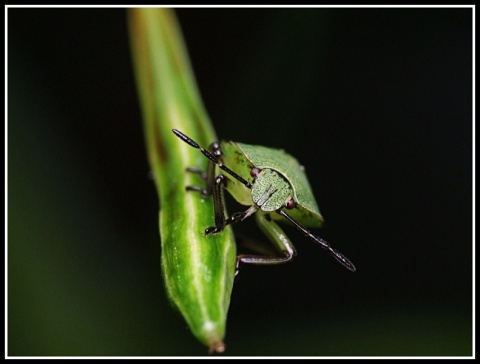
{"points": [[210, 156], [342, 259]]}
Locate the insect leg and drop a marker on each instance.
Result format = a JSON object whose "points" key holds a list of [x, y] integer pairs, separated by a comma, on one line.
{"points": [[278, 237], [218, 206], [342, 259], [198, 171], [209, 175], [214, 187]]}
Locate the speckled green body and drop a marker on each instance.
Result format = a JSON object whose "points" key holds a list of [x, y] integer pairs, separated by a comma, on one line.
{"points": [[290, 175]]}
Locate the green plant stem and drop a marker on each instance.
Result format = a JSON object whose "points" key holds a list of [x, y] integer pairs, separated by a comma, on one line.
{"points": [[198, 271]]}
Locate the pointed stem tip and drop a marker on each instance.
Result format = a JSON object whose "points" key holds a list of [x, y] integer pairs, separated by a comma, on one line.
{"points": [[216, 348]]}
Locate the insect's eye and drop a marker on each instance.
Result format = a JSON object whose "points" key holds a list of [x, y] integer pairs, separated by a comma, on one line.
{"points": [[290, 204], [216, 149], [254, 171]]}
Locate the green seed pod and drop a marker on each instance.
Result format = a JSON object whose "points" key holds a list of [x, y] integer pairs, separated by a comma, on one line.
{"points": [[198, 271]]}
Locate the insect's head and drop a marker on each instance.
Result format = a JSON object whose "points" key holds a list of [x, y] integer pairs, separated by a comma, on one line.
{"points": [[270, 190]]}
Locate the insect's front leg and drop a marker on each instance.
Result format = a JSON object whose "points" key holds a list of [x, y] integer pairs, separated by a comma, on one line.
{"points": [[218, 205], [214, 187], [209, 175]]}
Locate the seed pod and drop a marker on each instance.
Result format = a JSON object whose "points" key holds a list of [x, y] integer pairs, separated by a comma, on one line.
{"points": [[198, 271]]}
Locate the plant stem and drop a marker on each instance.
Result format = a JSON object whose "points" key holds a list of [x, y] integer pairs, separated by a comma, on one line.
{"points": [[198, 271]]}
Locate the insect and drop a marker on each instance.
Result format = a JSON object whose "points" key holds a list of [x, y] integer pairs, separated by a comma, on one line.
{"points": [[274, 186]]}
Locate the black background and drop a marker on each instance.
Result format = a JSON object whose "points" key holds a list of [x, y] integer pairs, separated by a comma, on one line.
{"points": [[376, 103]]}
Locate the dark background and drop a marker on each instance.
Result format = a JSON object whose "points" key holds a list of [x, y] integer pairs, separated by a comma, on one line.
{"points": [[376, 103]]}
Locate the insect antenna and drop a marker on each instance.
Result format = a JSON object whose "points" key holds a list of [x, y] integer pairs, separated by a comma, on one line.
{"points": [[210, 156], [342, 259]]}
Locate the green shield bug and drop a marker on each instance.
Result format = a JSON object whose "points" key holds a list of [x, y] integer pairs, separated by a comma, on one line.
{"points": [[275, 187]]}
